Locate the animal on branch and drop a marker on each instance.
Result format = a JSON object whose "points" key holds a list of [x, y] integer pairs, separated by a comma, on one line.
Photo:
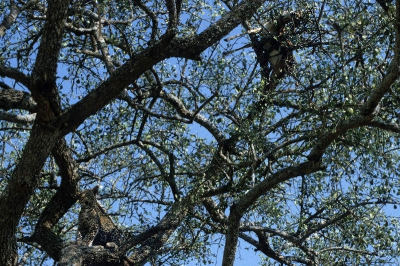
{"points": [[273, 49], [95, 226]]}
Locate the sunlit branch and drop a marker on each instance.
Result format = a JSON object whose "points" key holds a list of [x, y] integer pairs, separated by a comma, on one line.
{"points": [[90, 53], [80, 31], [216, 214], [106, 58], [19, 119], [148, 111]]}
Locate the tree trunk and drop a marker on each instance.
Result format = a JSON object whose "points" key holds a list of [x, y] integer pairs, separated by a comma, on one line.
{"points": [[20, 188]]}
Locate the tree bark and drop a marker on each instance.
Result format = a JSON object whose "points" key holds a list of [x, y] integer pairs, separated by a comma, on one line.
{"points": [[21, 186]]}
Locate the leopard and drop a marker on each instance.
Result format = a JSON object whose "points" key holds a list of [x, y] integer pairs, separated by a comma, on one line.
{"points": [[95, 227]]}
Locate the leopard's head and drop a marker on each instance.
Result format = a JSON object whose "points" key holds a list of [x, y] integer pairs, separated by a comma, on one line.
{"points": [[87, 199]]}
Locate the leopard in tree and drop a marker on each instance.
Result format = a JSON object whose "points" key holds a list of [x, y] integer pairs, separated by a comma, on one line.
{"points": [[95, 226]]}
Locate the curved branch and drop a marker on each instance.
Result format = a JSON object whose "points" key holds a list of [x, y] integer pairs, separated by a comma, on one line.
{"points": [[153, 17], [60, 203], [168, 177], [237, 210], [286, 259], [15, 74], [348, 250]]}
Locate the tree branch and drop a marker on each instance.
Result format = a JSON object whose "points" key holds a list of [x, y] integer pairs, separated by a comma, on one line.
{"points": [[15, 74], [60, 203], [191, 48], [43, 78], [12, 16], [19, 119], [135, 67], [15, 99], [238, 209]]}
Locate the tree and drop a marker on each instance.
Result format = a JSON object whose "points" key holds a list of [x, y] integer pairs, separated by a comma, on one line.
{"points": [[274, 123]]}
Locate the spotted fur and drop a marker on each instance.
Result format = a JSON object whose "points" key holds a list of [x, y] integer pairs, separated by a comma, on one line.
{"points": [[95, 227]]}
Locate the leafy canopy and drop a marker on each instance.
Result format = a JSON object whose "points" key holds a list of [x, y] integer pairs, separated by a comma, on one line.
{"points": [[196, 141]]}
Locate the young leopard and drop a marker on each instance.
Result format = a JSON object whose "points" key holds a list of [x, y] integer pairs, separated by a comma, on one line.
{"points": [[95, 227]]}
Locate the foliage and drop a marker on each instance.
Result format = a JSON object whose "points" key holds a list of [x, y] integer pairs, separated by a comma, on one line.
{"points": [[196, 140]]}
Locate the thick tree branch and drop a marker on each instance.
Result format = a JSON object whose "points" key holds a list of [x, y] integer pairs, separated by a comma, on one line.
{"points": [[191, 48], [19, 119], [155, 237], [15, 99], [238, 209], [25, 177], [21, 186], [45, 67], [172, 19], [15, 74], [60, 203], [43, 78], [134, 68]]}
